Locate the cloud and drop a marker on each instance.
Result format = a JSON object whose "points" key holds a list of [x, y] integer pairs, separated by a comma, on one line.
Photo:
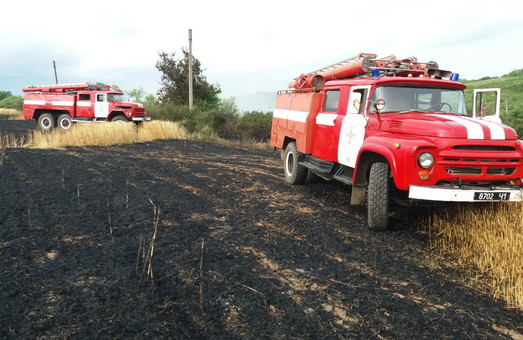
{"points": [[249, 46]]}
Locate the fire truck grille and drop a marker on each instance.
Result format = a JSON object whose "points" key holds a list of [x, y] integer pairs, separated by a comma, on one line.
{"points": [[500, 171], [484, 148], [478, 171], [463, 171]]}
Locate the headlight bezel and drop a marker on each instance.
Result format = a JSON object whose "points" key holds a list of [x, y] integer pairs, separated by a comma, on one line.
{"points": [[426, 160]]}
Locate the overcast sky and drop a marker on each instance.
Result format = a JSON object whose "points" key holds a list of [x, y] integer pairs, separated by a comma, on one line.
{"points": [[249, 46]]}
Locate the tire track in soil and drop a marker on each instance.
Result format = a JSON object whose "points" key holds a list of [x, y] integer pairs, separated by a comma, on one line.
{"points": [[279, 261]]}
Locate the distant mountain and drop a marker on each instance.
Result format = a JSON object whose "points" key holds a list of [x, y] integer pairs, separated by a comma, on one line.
{"points": [[259, 101]]}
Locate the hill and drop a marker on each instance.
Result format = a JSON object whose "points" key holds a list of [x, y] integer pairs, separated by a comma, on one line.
{"points": [[511, 86], [259, 101]]}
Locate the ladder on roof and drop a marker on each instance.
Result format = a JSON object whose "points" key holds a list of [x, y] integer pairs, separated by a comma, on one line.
{"points": [[344, 62]]}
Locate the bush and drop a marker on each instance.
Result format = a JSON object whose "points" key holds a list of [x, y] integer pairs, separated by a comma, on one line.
{"points": [[12, 102], [255, 125], [169, 111], [224, 122]]}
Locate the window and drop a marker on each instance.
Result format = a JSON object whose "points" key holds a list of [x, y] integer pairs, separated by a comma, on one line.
{"points": [[115, 97], [420, 99], [357, 101], [100, 98], [332, 99], [84, 96]]}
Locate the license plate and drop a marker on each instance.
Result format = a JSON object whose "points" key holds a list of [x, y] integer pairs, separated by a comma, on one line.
{"points": [[491, 196]]}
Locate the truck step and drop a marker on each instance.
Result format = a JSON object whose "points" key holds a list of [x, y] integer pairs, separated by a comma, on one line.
{"points": [[344, 174], [318, 165], [87, 120]]}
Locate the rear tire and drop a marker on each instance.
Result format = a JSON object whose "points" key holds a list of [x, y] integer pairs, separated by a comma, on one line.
{"points": [[295, 173], [46, 121], [378, 197], [64, 121]]}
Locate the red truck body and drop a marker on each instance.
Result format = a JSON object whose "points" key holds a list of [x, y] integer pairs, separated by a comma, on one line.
{"points": [[406, 122], [61, 105]]}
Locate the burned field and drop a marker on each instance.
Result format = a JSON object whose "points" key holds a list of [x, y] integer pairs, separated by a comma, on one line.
{"points": [[192, 239]]}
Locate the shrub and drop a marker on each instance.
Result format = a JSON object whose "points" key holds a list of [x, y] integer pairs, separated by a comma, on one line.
{"points": [[255, 125], [12, 102], [224, 122]]}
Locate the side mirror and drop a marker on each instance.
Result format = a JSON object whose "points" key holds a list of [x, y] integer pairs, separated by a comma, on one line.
{"points": [[379, 105]]}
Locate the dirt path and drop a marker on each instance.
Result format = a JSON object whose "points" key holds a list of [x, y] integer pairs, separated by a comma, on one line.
{"points": [[238, 253]]}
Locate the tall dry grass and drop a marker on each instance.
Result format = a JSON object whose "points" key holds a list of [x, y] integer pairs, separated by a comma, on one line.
{"points": [[487, 239], [12, 113], [104, 134]]}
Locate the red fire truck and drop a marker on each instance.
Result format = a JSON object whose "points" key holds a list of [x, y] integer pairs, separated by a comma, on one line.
{"points": [[62, 105], [395, 128]]}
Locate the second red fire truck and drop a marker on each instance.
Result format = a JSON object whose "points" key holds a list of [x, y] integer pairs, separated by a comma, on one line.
{"points": [[61, 105], [395, 128]]}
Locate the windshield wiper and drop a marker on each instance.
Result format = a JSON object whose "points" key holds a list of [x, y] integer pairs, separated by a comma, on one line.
{"points": [[410, 110], [451, 113]]}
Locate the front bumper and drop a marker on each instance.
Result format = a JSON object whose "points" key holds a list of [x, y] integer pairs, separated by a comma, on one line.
{"points": [[141, 119], [449, 193]]}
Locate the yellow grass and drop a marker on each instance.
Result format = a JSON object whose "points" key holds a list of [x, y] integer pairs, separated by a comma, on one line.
{"points": [[8, 111], [12, 113], [488, 241], [105, 134]]}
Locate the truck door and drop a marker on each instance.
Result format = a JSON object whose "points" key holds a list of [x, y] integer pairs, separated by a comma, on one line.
{"points": [[328, 123], [83, 105], [101, 106], [485, 104], [353, 126]]}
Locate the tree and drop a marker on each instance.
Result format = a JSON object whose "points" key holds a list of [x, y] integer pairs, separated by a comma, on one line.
{"points": [[149, 100], [5, 94], [175, 85], [136, 94]]}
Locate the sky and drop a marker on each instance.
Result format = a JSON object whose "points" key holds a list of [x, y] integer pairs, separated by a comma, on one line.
{"points": [[249, 46]]}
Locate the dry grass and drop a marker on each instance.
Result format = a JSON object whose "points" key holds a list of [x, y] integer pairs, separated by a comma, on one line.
{"points": [[12, 113], [10, 141], [105, 134], [488, 241]]}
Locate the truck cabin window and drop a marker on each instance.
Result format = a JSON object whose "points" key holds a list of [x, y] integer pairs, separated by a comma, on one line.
{"points": [[99, 97], [84, 96], [115, 97], [331, 102], [420, 99]]}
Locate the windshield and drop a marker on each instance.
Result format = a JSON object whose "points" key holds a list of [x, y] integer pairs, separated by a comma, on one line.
{"points": [[421, 99], [115, 97]]}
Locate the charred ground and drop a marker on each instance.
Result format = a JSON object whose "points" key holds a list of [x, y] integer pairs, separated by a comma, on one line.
{"points": [[238, 253]]}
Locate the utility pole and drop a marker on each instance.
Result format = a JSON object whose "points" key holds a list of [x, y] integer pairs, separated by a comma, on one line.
{"points": [[190, 71], [55, 76]]}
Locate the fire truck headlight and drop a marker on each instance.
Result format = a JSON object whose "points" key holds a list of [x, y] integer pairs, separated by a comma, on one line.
{"points": [[426, 160]]}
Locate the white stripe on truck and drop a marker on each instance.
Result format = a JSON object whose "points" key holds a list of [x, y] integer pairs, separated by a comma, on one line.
{"points": [[475, 127], [297, 116], [34, 102]]}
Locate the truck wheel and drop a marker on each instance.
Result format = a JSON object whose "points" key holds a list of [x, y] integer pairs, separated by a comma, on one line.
{"points": [[119, 119], [64, 121], [378, 197], [46, 121], [294, 172]]}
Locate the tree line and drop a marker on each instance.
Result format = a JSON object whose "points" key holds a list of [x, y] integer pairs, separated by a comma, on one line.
{"points": [[8, 101], [215, 116], [211, 116]]}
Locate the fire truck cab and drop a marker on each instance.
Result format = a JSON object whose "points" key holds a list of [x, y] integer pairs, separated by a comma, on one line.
{"points": [[394, 129], [62, 105]]}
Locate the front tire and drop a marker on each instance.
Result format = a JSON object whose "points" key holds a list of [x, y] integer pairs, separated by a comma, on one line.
{"points": [[64, 121], [295, 173], [119, 119], [378, 201], [46, 121]]}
